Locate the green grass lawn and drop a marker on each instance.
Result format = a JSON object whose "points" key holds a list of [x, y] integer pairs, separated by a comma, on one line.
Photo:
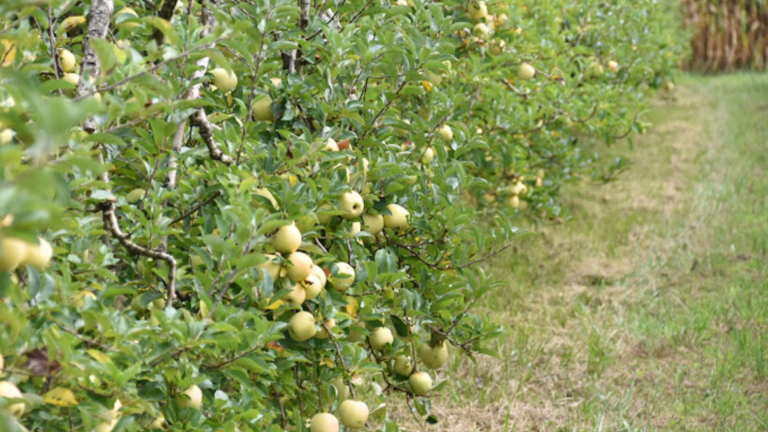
{"points": [[649, 310]]}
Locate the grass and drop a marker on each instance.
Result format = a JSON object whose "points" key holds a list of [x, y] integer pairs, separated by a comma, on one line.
{"points": [[649, 310]]}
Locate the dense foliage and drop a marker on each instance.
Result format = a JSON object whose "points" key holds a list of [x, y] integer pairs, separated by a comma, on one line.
{"points": [[373, 137]]}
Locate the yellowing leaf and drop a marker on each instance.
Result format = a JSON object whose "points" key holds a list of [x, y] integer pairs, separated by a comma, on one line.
{"points": [[352, 306], [327, 362], [7, 53], [275, 305], [100, 356], [427, 86], [60, 397]]}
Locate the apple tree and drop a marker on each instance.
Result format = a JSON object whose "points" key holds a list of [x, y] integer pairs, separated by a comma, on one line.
{"points": [[270, 215]]}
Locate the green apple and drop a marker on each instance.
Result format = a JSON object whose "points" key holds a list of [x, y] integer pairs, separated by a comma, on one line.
{"points": [[192, 397], [428, 156], [380, 338], [287, 239], [342, 276], [433, 357], [158, 423], [353, 414], [526, 71], [351, 203], [10, 391], [12, 253], [342, 390], [38, 255], [301, 326], [481, 30], [67, 60], [323, 334], [403, 365], [324, 422], [314, 283], [445, 132], [356, 333], [224, 80], [296, 296], [477, 11], [262, 109], [299, 266], [497, 46], [421, 383], [398, 219], [373, 224], [273, 268]]}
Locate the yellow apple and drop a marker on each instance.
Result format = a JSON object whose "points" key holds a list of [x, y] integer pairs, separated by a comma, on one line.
{"points": [[526, 71], [514, 201], [277, 82], [6, 136], [353, 414], [445, 132], [314, 283], [342, 276], [433, 357], [12, 253], [224, 80], [67, 60], [71, 78], [403, 366], [351, 203], [373, 224], [191, 398], [380, 338], [613, 66], [477, 11], [38, 255], [299, 266], [301, 326], [331, 145], [324, 422], [421, 383], [502, 19], [10, 391], [322, 334], [262, 109], [398, 219], [287, 239]]}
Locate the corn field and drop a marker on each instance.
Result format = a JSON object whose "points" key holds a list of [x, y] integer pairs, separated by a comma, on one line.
{"points": [[727, 34]]}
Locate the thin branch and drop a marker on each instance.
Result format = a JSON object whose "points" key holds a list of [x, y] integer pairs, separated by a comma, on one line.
{"points": [[197, 207], [111, 224]]}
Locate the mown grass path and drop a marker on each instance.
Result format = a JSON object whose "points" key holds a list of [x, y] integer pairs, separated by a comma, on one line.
{"points": [[649, 310]]}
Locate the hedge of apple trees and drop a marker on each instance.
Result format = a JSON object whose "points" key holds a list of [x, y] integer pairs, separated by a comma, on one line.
{"points": [[268, 215]]}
